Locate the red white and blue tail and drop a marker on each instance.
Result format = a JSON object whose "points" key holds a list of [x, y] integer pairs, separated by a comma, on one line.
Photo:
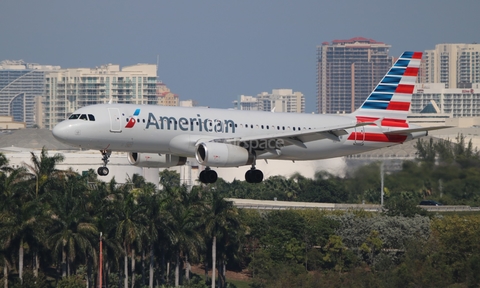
{"points": [[390, 100]]}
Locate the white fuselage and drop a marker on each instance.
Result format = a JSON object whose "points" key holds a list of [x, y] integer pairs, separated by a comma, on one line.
{"points": [[177, 130]]}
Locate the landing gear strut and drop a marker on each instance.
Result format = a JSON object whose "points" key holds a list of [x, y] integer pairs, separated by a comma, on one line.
{"points": [[208, 176], [103, 170]]}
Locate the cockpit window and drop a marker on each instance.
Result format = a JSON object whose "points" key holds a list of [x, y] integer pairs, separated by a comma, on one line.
{"points": [[86, 117]]}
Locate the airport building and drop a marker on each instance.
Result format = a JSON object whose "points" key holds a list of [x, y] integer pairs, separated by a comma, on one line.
{"points": [[280, 100], [7, 123], [347, 71], [69, 89], [21, 85]]}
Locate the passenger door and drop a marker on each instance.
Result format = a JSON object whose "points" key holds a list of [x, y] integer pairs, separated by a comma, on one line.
{"points": [[115, 120]]}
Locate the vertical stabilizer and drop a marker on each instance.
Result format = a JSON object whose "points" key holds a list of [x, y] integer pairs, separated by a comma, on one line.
{"points": [[390, 100]]}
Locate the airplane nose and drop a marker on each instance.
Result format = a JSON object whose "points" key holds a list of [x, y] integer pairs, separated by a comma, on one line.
{"points": [[61, 131]]}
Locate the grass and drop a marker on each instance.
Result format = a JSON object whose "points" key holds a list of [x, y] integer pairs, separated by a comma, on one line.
{"points": [[239, 283]]}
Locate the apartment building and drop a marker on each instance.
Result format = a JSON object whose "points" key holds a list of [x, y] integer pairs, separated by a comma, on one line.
{"points": [[455, 65], [246, 103], [280, 100], [165, 97], [347, 71], [69, 89]]}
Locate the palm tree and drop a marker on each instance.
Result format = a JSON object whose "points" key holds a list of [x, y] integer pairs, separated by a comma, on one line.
{"points": [[157, 212], [43, 169], [22, 224], [130, 229], [183, 223], [103, 200], [220, 220], [73, 235], [3, 162], [22, 216]]}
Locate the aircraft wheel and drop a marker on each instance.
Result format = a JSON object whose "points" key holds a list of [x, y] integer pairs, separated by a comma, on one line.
{"points": [[254, 176], [102, 171], [208, 176], [211, 176]]}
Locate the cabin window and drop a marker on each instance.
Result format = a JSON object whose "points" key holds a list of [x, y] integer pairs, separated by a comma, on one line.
{"points": [[91, 117], [74, 116], [83, 117]]}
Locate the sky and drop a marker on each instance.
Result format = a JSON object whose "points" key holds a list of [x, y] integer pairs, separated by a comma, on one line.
{"points": [[212, 51]]}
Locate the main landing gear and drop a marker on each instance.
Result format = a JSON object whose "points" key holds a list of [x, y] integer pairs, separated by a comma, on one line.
{"points": [[210, 176], [254, 175], [103, 170]]}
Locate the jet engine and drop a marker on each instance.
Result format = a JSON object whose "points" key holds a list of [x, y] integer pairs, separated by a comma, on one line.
{"points": [[152, 160], [222, 155]]}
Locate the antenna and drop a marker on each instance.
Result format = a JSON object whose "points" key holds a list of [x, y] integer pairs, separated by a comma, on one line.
{"points": [[158, 59]]}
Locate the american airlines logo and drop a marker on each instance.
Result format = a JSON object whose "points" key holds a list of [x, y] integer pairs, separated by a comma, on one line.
{"points": [[190, 124], [132, 120]]}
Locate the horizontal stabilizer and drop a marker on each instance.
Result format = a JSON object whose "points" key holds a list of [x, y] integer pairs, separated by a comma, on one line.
{"points": [[413, 130]]}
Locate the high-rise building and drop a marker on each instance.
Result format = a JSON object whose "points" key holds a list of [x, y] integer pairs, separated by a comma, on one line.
{"points": [[246, 103], [455, 65], [20, 84], [347, 71], [280, 100], [69, 89], [165, 97]]}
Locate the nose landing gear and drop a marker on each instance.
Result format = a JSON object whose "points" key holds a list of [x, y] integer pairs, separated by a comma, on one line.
{"points": [[103, 170]]}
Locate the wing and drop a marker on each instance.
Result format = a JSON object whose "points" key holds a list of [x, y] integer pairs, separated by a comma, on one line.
{"points": [[298, 138]]}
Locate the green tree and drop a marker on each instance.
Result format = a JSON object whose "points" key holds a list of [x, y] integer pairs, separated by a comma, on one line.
{"points": [[221, 222], [169, 179], [335, 253], [43, 169], [73, 234], [371, 247], [183, 221]]}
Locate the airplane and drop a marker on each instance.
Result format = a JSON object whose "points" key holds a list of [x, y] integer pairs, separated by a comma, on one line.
{"points": [[165, 136]]}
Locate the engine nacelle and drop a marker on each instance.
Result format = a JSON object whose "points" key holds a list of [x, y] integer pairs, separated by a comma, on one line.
{"points": [[222, 155], [152, 160]]}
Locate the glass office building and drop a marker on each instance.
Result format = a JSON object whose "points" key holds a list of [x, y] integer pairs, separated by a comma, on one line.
{"points": [[20, 84]]}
